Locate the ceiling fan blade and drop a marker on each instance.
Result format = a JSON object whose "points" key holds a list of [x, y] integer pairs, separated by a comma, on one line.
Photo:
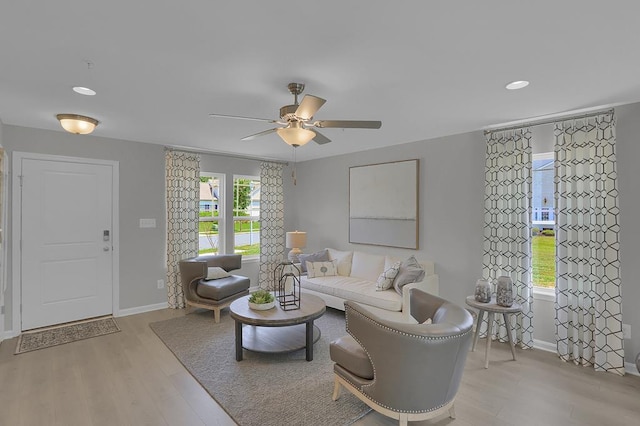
{"points": [[319, 138], [309, 106], [239, 117], [251, 137], [348, 124]]}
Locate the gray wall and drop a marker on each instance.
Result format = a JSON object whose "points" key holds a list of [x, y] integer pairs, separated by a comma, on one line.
{"points": [[451, 211], [142, 251], [2, 271], [142, 195], [451, 188]]}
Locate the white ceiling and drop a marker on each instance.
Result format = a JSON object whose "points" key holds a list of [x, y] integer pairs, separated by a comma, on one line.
{"points": [[425, 68]]}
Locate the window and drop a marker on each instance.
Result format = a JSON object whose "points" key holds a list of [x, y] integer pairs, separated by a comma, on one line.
{"points": [[246, 215], [241, 203], [543, 244]]}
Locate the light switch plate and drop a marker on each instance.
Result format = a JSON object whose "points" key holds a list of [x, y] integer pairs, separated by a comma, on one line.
{"points": [[147, 223]]}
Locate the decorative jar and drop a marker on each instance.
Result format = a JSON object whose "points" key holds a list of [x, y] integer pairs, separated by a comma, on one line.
{"points": [[504, 291], [483, 291]]}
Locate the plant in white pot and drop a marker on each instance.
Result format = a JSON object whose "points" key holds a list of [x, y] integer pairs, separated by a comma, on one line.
{"points": [[261, 300]]}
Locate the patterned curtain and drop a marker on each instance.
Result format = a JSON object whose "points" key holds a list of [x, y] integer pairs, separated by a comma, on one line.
{"points": [[271, 222], [507, 228], [183, 197], [588, 286]]}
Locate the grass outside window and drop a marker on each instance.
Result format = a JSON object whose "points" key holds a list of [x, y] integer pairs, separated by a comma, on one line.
{"points": [[543, 260]]}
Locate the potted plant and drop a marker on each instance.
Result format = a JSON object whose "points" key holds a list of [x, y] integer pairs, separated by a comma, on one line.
{"points": [[261, 300]]}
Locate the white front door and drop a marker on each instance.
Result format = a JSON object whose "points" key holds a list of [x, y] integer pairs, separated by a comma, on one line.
{"points": [[67, 234]]}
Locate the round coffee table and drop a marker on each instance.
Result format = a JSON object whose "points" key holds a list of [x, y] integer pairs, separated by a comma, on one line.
{"points": [[276, 330]]}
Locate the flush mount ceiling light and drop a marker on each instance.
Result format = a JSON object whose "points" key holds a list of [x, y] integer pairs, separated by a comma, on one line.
{"points": [[295, 134], [84, 91], [515, 85], [77, 124]]}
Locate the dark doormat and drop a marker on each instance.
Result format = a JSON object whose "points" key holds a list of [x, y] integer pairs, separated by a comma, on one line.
{"points": [[65, 333]]}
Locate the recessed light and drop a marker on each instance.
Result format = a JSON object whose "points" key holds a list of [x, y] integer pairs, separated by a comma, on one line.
{"points": [[84, 91], [515, 85]]}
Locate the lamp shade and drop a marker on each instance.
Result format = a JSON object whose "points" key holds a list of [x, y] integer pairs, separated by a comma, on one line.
{"points": [[296, 239], [78, 124], [296, 136]]}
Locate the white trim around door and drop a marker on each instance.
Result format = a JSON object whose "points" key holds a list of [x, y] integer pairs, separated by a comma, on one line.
{"points": [[16, 214]]}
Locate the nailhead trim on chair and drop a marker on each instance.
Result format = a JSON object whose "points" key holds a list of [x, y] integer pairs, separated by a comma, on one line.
{"points": [[374, 367]]}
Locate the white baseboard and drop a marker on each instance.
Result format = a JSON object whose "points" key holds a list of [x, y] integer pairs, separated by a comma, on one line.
{"points": [[630, 368], [141, 309], [544, 346], [9, 334]]}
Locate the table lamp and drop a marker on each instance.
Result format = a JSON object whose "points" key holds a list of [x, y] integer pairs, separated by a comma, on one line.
{"points": [[295, 241]]}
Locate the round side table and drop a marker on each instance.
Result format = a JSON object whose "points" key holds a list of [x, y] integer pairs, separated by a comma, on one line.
{"points": [[493, 308]]}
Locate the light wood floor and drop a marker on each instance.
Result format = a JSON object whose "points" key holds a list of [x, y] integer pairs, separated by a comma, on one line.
{"points": [[131, 378]]}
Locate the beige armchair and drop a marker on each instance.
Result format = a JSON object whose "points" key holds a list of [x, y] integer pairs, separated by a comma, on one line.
{"points": [[405, 371], [212, 294]]}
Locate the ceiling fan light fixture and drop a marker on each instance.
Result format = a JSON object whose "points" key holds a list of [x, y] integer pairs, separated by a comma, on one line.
{"points": [[77, 124], [296, 136]]}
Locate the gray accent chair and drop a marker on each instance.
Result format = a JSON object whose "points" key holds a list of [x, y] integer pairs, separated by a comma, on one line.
{"points": [[212, 294], [409, 372]]}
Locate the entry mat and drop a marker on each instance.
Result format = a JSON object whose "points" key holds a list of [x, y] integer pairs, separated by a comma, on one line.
{"points": [[65, 333]]}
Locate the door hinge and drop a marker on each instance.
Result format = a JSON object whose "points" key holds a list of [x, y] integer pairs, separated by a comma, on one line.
{"points": [[20, 176]]}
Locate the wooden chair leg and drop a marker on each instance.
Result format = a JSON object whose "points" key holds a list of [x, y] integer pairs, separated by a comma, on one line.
{"points": [[452, 412], [336, 390], [216, 315], [403, 420]]}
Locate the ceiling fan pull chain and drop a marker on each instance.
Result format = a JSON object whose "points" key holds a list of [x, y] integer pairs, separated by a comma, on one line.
{"points": [[293, 171]]}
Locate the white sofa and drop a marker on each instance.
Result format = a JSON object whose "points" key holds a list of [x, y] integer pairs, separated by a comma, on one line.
{"points": [[356, 280]]}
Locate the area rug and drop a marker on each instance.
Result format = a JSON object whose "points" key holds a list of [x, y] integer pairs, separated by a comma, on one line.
{"points": [[65, 333], [262, 389]]}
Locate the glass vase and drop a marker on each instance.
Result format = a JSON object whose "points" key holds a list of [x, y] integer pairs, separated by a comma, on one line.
{"points": [[483, 291], [504, 291]]}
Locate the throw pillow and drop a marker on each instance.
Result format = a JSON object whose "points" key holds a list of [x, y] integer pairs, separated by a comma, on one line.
{"points": [[385, 280], [427, 321], [215, 273], [344, 260], [410, 272], [321, 269], [319, 256]]}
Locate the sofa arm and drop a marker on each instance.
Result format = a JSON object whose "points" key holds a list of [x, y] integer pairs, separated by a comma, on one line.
{"points": [[430, 284]]}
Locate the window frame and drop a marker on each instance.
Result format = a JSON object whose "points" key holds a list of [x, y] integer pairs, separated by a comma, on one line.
{"points": [[220, 219], [539, 292], [235, 218]]}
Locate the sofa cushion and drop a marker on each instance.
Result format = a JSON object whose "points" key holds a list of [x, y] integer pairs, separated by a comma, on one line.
{"points": [[222, 288], [367, 266], [343, 259], [348, 353], [319, 256], [356, 289], [410, 272], [321, 269], [385, 280]]}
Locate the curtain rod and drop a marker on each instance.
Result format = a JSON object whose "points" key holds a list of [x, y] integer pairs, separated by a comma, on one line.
{"points": [[540, 122], [222, 154]]}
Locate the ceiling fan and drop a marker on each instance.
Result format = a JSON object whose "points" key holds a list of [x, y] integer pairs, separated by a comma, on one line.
{"points": [[297, 119]]}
